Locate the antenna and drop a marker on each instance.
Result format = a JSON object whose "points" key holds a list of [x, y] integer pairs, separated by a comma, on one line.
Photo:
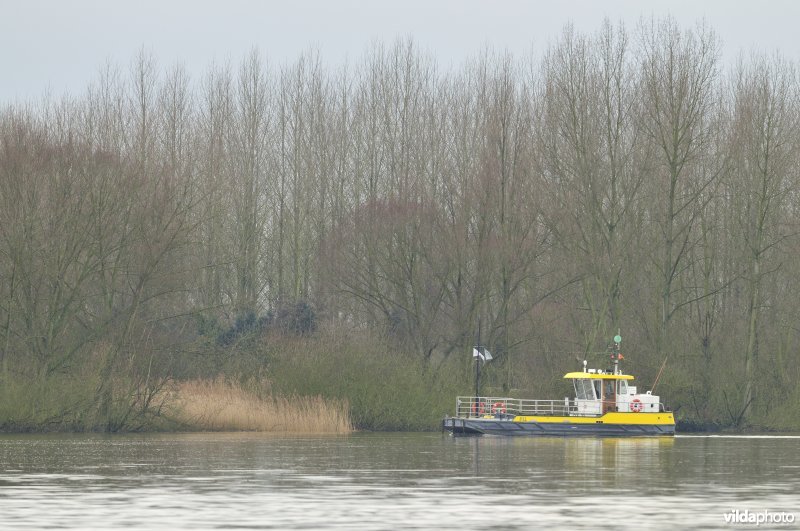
{"points": [[659, 373]]}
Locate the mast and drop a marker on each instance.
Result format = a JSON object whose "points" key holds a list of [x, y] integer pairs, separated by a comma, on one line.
{"points": [[615, 355]]}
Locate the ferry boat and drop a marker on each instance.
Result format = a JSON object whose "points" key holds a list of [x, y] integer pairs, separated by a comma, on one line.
{"points": [[605, 404]]}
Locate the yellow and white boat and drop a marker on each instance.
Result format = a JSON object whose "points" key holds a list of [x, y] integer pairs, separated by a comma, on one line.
{"points": [[605, 403]]}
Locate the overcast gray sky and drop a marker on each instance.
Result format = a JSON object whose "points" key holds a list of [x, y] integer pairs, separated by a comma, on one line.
{"points": [[60, 44]]}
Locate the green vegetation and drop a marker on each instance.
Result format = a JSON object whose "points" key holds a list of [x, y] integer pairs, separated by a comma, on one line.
{"points": [[347, 234], [387, 389], [82, 400]]}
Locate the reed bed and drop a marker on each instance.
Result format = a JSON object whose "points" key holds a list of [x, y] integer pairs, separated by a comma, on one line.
{"points": [[221, 405]]}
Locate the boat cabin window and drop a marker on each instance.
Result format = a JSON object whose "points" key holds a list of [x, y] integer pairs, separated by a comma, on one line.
{"points": [[623, 387], [598, 388], [583, 389], [609, 390]]}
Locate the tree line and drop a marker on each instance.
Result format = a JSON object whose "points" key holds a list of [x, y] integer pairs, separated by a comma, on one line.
{"points": [[624, 179]]}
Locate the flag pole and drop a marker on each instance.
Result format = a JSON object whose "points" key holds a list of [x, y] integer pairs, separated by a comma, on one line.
{"points": [[478, 368]]}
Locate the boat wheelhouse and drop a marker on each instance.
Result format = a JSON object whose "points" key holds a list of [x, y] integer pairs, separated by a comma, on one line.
{"points": [[604, 403]]}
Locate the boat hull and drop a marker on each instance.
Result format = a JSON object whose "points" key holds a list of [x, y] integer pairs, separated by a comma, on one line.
{"points": [[610, 425]]}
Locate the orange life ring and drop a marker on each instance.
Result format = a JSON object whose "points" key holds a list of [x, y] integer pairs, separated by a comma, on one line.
{"points": [[636, 406], [479, 407], [499, 407]]}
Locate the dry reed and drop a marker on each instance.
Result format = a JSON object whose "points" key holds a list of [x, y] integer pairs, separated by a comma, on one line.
{"points": [[221, 405]]}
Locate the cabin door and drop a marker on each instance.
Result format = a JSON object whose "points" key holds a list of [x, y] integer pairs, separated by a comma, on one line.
{"points": [[609, 396]]}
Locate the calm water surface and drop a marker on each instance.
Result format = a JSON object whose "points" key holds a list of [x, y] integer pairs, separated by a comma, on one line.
{"points": [[392, 481]]}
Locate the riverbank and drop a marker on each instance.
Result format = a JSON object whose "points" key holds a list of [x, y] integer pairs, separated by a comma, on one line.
{"points": [[329, 382]]}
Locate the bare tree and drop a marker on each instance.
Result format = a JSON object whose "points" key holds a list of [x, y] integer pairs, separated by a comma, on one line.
{"points": [[764, 145], [678, 72], [249, 172], [212, 130], [595, 165]]}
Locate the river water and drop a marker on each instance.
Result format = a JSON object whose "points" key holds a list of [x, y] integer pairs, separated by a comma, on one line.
{"points": [[394, 481]]}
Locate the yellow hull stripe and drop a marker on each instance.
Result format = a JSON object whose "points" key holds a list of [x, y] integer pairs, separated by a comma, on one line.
{"points": [[608, 418]]}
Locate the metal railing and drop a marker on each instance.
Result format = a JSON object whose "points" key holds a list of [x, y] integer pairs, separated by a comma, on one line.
{"points": [[471, 406]]}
